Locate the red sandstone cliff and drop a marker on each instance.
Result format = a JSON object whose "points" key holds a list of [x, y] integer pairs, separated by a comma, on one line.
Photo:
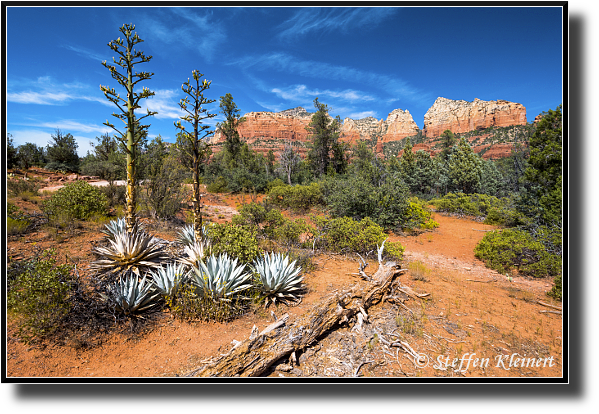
{"points": [[463, 116], [265, 131]]}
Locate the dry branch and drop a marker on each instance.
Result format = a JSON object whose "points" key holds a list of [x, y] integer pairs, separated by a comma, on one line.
{"points": [[481, 281], [551, 311], [549, 305], [254, 356]]}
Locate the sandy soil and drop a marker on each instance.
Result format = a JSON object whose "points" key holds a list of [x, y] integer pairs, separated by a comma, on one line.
{"points": [[472, 310]]}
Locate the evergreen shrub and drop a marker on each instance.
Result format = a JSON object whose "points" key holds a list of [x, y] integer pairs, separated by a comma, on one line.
{"points": [[78, 200]]}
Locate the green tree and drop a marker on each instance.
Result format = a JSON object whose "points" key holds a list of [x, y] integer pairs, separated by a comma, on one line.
{"points": [[448, 140], [107, 161], [62, 152], [134, 132], [229, 126], [11, 152], [464, 168], [324, 135], [427, 171], [408, 167], [544, 173], [193, 143], [29, 155]]}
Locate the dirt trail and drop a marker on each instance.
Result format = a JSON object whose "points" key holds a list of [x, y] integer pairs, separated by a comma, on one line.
{"points": [[487, 318]]}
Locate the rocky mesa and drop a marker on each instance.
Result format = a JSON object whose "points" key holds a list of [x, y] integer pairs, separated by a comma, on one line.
{"points": [[265, 131], [462, 116]]}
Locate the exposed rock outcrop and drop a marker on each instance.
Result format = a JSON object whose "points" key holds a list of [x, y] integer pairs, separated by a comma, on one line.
{"points": [[265, 131], [462, 116]]}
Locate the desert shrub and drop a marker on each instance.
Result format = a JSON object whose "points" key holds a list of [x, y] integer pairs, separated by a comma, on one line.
{"points": [[508, 249], [60, 167], [162, 190], [219, 185], [16, 221], [38, 295], [419, 216], [298, 197], [357, 198], [277, 182], [115, 194], [289, 233], [77, 200], [237, 241], [556, 290], [271, 224], [251, 214], [188, 305], [470, 204], [18, 186], [345, 234], [15, 226]]}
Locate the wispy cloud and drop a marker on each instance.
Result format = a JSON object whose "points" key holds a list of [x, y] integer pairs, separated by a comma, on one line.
{"points": [[289, 64], [301, 92], [86, 53], [69, 125], [364, 114], [46, 91], [165, 102], [201, 33], [321, 19]]}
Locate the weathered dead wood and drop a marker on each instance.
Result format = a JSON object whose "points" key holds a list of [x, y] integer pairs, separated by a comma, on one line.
{"points": [[551, 311], [481, 281], [254, 356], [549, 305]]}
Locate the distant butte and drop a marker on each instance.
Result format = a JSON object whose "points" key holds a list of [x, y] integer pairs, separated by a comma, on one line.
{"points": [[264, 131]]}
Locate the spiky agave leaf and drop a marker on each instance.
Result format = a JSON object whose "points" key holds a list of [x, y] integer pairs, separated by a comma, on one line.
{"points": [[195, 253], [187, 236], [129, 251], [118, 226], [279, 279], [130, 295], [168, 279], [220, 277]]}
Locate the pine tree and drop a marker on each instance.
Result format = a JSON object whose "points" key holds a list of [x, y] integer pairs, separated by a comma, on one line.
{"points": [[230, 125], [543, 176], [324, 135], [135, 132], [464, 168], [62, 152], [408, 167], [193, 143], [11, 152]]}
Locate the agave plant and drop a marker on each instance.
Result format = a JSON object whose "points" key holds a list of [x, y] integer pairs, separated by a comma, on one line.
{"points": [[195, 254], [220, 277], [187, 236], [130, 295], [168, 279], [279, 279], [118, 226], [129, 251]]}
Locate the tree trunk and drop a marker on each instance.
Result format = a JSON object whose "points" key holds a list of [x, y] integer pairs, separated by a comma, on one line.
{"points": [[254, 356]]}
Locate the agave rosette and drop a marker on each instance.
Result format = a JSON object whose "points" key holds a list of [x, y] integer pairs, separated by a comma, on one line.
{"points": [[118, 226], [279, 279], [129, 251], [220, 277], [130, 295], [187, 236], [168, 279]]}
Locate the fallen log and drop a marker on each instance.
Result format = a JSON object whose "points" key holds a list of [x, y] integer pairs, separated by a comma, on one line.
{"points": [[255, 355]]}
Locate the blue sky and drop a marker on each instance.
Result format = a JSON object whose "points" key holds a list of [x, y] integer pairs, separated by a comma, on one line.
{"points": [[359, 61]]}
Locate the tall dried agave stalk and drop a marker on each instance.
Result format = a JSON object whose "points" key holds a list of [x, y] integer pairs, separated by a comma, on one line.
{"points": [[193, 145]]}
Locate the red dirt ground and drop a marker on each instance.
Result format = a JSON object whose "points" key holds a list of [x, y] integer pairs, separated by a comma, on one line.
{"points": [[490, 315]]}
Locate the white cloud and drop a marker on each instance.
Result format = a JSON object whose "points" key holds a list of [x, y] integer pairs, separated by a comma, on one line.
{"points": [[283, 62], [89, 54], [199, 32], [321, 19], [362, 115], [301, 92], [165, 102], [46, 91], [68, 125]]}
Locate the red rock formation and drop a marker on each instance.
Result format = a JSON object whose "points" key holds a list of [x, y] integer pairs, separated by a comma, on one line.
{"points": [[462, 116], [400, 124]]}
